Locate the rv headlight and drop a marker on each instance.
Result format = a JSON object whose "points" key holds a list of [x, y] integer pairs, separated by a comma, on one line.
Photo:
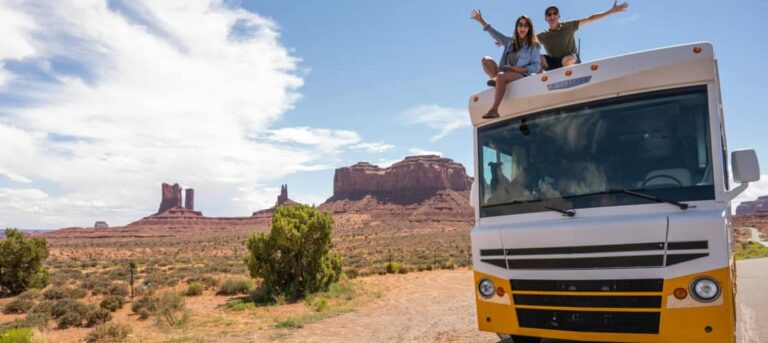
{"points": [[705, 289], [486, 288]]}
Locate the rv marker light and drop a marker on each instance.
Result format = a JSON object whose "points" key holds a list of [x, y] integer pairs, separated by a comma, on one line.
{"points": [[568, 73], [500, 291], [544, 78], [486, 288], [594, 67], [680, 293], [696, 49]]}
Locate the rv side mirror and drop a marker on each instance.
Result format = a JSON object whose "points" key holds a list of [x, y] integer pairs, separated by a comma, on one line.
{"points": [[745, 166]]}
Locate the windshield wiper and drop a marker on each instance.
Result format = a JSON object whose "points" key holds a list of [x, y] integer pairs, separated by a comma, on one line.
{"points": [[566, 213], [681, 205]]}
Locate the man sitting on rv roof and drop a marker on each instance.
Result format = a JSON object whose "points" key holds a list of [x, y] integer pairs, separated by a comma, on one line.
{"points": [[559, 39]]}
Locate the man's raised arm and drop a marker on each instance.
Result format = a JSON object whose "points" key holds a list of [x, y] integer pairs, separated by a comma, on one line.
{"points": [[597, 16]]}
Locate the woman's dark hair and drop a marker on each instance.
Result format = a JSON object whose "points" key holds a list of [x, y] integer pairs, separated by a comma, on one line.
{"points": [[530, 38]]}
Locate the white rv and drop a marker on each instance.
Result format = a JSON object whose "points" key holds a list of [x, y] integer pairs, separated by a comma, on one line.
{"points": [[602, 202]]}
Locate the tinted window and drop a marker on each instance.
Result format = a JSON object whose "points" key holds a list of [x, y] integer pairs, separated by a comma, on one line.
{"points": [[657, 143]]}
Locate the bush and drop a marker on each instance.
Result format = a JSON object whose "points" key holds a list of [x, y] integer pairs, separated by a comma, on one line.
{"points": [[22, 335], [31, 294], [235, 286], [393, 267], [112, 332], [65, 306], [70, 319], [194, 289], [18, 305], [209, 282], [55, 293], [37, 320], [119, 289], [112, 303], [43, 307], [144, 306], [96, 316], [295, 258], [76, 293], [97, 284], [171, 308], [22, 260]]}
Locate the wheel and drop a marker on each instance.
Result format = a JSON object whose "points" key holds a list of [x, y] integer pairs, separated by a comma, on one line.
{"points": [[507, 338]]}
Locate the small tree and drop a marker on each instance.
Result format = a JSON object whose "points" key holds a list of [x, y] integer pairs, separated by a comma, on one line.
{"points": [[21, 262], [294, 259]]}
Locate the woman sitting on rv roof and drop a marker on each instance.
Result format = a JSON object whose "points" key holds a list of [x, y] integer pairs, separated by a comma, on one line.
{"points": [[520, 57]]}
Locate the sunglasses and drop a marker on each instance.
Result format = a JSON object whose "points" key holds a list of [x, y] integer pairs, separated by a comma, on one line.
{"points": [[551, 13], [522, 24]]}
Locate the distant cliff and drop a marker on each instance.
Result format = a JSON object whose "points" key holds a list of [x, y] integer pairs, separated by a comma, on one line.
{"points": [[419, 189], [415, 179], [759, 206]]}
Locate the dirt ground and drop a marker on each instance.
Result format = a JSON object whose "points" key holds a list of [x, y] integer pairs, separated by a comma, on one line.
{"points": [[433, 306]]}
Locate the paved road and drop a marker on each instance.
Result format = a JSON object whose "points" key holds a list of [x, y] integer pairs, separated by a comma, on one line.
{"points": [[751, 300]]}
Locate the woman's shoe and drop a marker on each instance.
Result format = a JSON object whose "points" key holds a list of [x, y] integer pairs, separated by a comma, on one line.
{"points": [[492, 113], [491, 83]]}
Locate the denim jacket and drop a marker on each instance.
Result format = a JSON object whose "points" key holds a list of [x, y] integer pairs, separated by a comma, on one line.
{"points": [[527, 56]]}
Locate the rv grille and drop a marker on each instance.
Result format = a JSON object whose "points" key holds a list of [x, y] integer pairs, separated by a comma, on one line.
{"points": [[583, 321], [644, 301], [635, 285]]}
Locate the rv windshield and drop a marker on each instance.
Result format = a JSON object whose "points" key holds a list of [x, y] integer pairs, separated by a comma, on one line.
{"points": [[584, 155]]}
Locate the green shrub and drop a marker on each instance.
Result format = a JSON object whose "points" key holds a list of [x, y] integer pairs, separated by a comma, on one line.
{"points": [[56, 293], [22, 258], [392, 267], [31, 294], [76, 293], [209, 282], [171, 308], [112, 302], [37, 320], [96, 316], [43, 307], [119, 289], [18, 305], [294, 259], [22, 335], [161, 280], [112, 332], [145, 306], [70, 319], [97, 284], [235, 286], [65, 306], [194, 289], [746, 250]]}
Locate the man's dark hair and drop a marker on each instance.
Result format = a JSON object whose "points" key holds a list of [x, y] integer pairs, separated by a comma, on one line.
{"points": [[551, 8]]}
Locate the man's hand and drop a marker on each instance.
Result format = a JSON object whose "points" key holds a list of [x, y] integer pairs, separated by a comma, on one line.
{"points": [[476, 15], [619, 7]]}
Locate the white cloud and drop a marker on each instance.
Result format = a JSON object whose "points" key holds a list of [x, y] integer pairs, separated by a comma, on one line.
{"points": [[419, 151], [443, 119], [142, 92], [377, 147]]}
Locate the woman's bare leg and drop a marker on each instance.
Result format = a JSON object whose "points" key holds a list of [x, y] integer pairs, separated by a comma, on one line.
{"points": [[501, 86], [490, 67]]}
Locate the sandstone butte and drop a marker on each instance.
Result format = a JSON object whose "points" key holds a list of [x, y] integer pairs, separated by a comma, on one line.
{"points": [[416, 192]]}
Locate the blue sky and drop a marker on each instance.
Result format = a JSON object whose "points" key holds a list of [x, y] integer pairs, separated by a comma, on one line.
{"points": [[100, 101]]}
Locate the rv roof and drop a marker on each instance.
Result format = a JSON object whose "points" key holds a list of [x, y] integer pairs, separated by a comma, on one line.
{"points": [[669, 67]]}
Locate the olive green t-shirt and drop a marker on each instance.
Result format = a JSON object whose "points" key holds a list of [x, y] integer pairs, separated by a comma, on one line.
{"points": [[561, 41]]}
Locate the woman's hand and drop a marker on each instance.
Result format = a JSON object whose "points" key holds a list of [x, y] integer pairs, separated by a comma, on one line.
{"points": [[476, 15], [522, 70]]}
